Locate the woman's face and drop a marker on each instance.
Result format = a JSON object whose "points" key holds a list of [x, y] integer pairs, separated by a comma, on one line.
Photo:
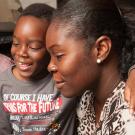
{"points": [[73, 67], [28, 49]]}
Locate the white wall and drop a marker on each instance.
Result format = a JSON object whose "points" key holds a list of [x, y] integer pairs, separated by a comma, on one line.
{"points": [[8, 8], [5, 13], [25, 3]]}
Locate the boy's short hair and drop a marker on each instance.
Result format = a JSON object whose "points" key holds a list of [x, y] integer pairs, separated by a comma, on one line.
{"points": [[39, 10]]}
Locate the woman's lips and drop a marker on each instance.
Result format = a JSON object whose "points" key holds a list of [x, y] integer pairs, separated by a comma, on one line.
{"points": [[59, 84]]}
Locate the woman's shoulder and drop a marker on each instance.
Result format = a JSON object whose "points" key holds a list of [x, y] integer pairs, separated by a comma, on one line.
{"points": [[5, 62]]}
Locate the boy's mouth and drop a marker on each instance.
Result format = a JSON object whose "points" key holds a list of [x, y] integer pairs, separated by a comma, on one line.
{"points": [[24, 66]]}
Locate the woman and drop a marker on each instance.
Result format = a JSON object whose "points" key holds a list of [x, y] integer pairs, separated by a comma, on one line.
{"points": [[5, 62], [127, 9], [88, 38]]}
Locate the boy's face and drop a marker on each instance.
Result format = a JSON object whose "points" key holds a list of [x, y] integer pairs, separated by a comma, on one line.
{"points": [[28, 48], [73, 68]]}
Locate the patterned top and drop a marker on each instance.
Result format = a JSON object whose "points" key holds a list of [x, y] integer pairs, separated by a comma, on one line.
{"points": [[115, 118]]}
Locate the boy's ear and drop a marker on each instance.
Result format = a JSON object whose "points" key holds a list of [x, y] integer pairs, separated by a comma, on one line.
{"points": [[103, 47]]}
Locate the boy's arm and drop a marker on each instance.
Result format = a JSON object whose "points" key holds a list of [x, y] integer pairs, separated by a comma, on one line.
{"points": [[130, 88], [5, 126]]}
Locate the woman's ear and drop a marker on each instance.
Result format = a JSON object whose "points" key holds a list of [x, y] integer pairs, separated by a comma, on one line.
{"points": [[103, 47]]}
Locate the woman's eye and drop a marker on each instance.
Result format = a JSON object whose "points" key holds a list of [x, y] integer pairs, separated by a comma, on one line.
{"points": [[59, 56]]}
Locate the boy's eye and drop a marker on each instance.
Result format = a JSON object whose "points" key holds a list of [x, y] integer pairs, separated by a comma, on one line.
{"points": [[15, 41], [15, 44], [35, 45]]}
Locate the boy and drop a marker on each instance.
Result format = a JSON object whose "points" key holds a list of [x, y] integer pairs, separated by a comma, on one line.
{"points": [[29, 102]]}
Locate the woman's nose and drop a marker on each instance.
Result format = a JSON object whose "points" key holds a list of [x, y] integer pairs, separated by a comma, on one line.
{"points": [[52, 67]]}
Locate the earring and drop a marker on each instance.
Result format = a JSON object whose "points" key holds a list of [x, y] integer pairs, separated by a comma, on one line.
{"points": [[99, 61]]}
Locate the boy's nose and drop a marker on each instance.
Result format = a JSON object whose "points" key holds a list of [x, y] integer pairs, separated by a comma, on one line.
{"points": [[23, 50]]}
